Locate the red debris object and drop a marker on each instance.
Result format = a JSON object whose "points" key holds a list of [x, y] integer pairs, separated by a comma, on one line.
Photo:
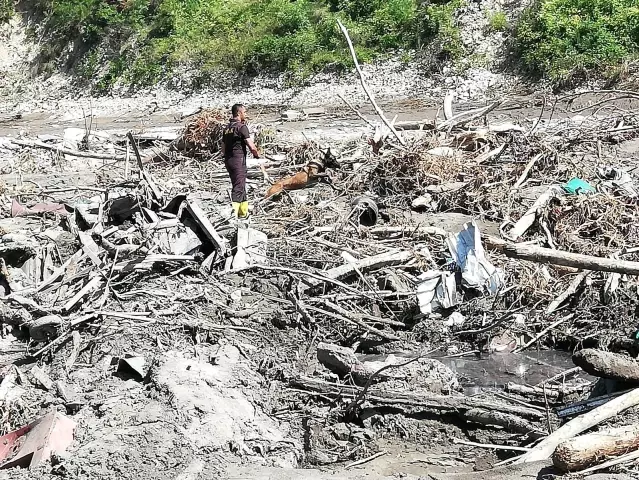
{"points": [[34, 443], [18, 210]]}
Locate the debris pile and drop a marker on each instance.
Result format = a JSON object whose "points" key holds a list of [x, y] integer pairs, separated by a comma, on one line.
{"points": [[202, 135], [335, 318]]}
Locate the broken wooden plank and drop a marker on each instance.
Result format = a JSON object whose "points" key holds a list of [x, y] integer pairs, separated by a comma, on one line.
{"points": [[60, 271], [92, 285], [90, 248]]}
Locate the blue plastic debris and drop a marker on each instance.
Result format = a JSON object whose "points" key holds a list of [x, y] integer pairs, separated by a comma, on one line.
{"points": [[578, 186]]}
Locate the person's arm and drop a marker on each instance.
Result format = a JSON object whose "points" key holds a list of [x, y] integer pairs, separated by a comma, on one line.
{"points": [[223, 149], [249, 141], [251, 146]]}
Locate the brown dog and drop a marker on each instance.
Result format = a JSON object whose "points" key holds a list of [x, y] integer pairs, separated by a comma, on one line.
{"points": [[308, 175]]}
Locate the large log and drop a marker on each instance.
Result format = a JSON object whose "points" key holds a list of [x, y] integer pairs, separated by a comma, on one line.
{"points": [[594, 448], [566, 259], [546, 448], [607, 364]]}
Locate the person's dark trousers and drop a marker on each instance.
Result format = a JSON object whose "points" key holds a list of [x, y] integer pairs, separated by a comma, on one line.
{"points": [[237, 171]]}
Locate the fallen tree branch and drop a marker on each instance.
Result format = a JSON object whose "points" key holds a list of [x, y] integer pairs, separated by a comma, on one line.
{"points": [[511, 423], [628, 457], [357, 112], [544, 332], [572, 288], [369, 263], [355, 321], [369, 94], [527, 220], [463, 118], [580, 424], [423, 400], [524, 174], [66, 151]]}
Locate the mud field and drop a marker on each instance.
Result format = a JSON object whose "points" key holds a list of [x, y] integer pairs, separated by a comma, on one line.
{"points": [[425, 337]]}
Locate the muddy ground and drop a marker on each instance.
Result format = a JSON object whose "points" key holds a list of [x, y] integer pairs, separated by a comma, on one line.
{"points": [[214, 401]]}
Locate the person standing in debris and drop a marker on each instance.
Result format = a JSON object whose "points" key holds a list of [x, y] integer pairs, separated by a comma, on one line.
{"points": [[235, 142]]}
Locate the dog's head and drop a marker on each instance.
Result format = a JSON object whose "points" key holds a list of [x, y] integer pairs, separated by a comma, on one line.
{"points": [[330, 160]]}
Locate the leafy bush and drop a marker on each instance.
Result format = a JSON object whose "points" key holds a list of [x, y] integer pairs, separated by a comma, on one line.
{"points": [[497, 21], [438, 22], [6, 10], [145, 40], [564, 39]]}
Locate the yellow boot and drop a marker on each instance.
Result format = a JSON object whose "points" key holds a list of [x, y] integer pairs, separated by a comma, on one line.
{"points": [[243, 210], [236, 209]]}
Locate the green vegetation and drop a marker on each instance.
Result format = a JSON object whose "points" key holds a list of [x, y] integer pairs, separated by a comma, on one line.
{"points": [[6, 10], [566, 39], [497, 21], [143, 41]]}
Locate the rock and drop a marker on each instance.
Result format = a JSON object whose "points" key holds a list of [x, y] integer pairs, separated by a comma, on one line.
{"points": [[340, 360], [14, 316], [423, 202], [455, 319], [291, 115]]}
